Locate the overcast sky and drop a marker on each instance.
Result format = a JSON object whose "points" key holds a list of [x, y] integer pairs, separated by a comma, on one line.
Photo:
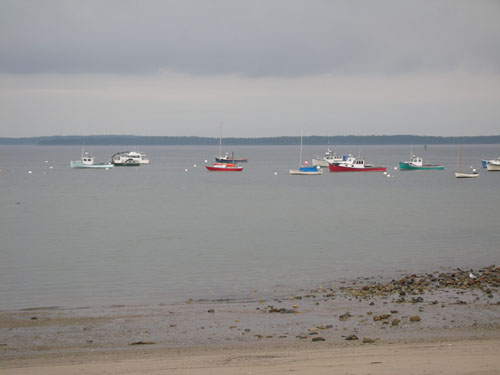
{"points": [[262, 68]]}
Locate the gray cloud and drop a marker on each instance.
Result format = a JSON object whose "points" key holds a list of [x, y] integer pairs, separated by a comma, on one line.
{"points": [[250, 38]]}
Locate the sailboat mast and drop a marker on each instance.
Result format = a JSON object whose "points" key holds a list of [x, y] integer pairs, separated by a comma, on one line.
{"points": [[460, 157], [220, 140], [300, 158]]}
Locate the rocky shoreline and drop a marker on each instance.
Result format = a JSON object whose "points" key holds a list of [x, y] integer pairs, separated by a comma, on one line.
{"points": [[451, 304]]}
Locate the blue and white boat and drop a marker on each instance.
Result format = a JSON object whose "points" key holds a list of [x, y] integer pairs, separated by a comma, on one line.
{"points": [[305, 171]]}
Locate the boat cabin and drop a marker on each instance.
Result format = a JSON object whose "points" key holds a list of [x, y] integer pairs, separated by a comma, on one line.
{"points": [[87, 159], [416, 161]]}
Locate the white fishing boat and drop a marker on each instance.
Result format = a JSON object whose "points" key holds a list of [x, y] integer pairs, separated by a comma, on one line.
{"points": [[330, 157], [88, 161], [305, 171], [129, 158], [460, 173], [493, 165]]}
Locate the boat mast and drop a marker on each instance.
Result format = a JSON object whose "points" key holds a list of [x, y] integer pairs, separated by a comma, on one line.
{"points": [[220, 140], [300, 158], [460, 158]]}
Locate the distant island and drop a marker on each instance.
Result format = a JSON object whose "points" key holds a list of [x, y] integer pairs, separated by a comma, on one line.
{"points": [[285, 140]]}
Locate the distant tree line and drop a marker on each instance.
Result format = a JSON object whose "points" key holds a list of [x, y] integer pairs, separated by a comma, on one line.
{"points": [[310, 140]]}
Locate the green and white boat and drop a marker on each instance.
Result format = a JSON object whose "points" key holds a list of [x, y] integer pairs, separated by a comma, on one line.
{"points": [[88, 161], [417, 163]]}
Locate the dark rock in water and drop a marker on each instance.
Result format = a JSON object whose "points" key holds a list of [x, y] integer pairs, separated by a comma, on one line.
{"points": [[319, 338], [351, 337], [34, 318], [211, 311]]}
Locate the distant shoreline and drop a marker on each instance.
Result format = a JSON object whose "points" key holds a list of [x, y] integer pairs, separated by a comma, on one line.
{"points": [[260, 141]]}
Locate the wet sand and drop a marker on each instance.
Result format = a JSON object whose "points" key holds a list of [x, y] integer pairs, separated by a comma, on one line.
{"points": [[436, 319]]}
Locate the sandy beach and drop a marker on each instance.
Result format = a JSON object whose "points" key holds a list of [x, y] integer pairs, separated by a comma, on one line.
{"points": [[442, 322], [446, 357]]}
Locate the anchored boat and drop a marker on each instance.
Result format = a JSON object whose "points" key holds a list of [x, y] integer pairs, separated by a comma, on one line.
{"points": [[223, 167], [229, 158], [330, 158], [88, 161], [129, 159], [493, 165], [417, 163], [353, 164], [459, 173], [305, 171]]}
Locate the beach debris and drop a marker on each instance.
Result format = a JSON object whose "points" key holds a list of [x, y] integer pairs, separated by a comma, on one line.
{"points": [[351, 337], [377, 318], [211, 311], [368, 340], [319, 338], [345, 316], [415, 318], [142, 343], [282, 310], [417, 284]]}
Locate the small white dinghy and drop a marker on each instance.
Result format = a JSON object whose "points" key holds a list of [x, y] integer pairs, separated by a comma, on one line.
{"points": [[459, 173]]}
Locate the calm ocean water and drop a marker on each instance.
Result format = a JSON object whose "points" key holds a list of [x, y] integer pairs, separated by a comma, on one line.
{"points": [[158, 234]]}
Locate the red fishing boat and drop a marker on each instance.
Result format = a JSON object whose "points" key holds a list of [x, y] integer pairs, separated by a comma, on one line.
{"points": [[223, 167], [355, 165]]}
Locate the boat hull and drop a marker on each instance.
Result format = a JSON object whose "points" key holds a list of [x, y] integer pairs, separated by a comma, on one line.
{"points": [[223, 169], [493, 167], [466, 175], [231, 161], [80, 165], [130, 164], [298, 172], [342, 168], [411, 167]]}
